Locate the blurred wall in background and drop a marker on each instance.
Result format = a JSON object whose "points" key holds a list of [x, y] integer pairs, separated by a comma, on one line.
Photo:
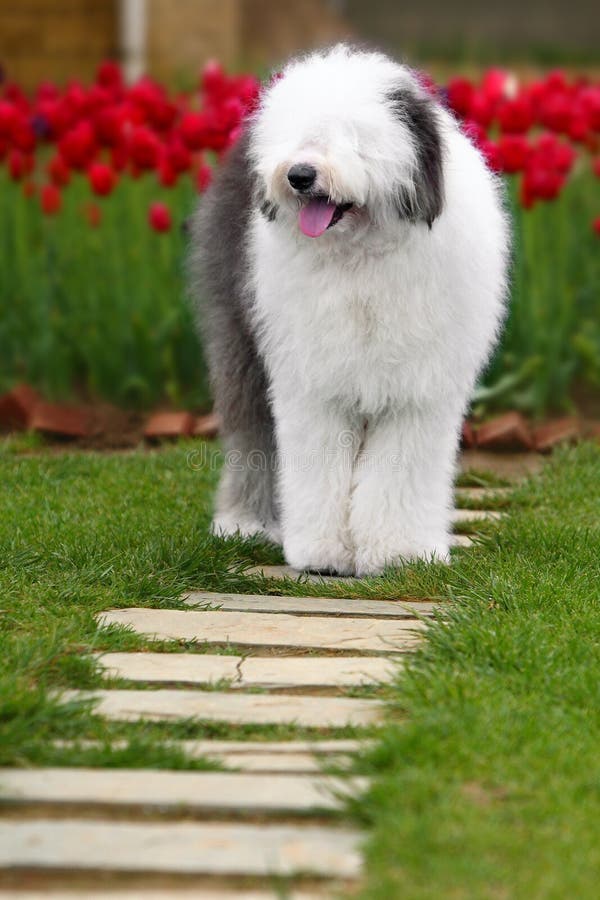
{"points": [[62, 39], [171, 39], [55, 39], [469, 28]]}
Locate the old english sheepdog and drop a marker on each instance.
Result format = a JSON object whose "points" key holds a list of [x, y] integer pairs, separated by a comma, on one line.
{"points": [[350, 262]]}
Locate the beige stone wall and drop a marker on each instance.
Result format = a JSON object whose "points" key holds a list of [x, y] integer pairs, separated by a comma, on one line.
{"points": [[272, 30], [65, 39], [56, 39], [183, 34]]}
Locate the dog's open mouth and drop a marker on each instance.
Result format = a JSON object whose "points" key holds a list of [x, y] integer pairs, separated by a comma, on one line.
{"points": [[319, 214]]}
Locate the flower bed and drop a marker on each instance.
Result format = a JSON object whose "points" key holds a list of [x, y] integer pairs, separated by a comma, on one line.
{"points": [[96, 182]]}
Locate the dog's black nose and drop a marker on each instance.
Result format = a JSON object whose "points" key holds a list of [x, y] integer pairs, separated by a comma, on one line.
{"points": [[302, 177]]}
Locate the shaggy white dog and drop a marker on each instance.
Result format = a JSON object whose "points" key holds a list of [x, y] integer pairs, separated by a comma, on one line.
{"points": [[351, 261]]}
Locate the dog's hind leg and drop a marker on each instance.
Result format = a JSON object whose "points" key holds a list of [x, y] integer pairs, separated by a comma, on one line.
{"points": [[246, 501], [218, 278]]}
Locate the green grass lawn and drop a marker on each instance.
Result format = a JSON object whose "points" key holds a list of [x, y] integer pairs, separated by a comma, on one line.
{"points": [[489, 784], [487, 775]]}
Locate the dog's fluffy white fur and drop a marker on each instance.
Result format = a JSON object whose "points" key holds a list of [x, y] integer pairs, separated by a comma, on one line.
{"points": [[349, 357]]}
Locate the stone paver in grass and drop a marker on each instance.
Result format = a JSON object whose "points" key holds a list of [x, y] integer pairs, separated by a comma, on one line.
{"points": [[296, 763], [509, 466], [318, 747], [481, 495], [213, 848], [302, 671], [462, 540], [266, 629], [476, 515], [258, 756], [315, 671], [279, 572], [191, 668], [295, 574], [320, 606], [235, 708], [199, 792]]}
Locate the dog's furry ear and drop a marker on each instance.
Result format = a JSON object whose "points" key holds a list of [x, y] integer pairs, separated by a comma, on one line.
{"points": [[418, 114]]}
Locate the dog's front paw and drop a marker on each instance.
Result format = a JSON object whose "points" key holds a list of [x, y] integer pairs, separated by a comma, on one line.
{"points": [[374, 559], [319, 555], [242, 525]]}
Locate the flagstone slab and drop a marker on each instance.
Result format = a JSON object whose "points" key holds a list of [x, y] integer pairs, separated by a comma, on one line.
{"points": [[315, 671], [200, 792], [255, 756], [302, 671], [284, 571], [279, 572], [235, 708], [481, 495], [213, 848], [290, 763], [316, 747], [190, 668], [462, 540], [476, 515], [296, 575], [266, 629], [320, 606], [509, 466], [208, 747]]}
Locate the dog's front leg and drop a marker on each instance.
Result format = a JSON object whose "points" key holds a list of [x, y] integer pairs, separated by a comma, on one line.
{"points": [[402, 488], [317, 448]]}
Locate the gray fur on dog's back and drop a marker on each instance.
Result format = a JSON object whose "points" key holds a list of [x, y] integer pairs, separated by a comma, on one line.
{"points": [[218, 270]]}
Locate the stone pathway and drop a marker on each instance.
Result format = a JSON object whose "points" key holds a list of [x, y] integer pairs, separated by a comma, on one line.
{"points": [[270, 812]]}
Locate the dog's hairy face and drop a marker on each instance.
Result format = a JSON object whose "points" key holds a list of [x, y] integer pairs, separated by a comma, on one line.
{"points": [[345, 140]]}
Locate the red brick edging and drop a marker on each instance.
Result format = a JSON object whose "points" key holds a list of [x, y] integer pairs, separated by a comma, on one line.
{"points": [[22, 408]]}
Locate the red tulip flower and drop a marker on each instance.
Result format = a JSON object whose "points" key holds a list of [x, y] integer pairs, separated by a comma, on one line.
{"points": [[516, 116], [460, 96], [23, 135], [167, 176], [17, 167], [596, 225], [109, 74], [178, 156], [475, 132], [78, 146], [102, 179], [491, 155], [8, 118], [110, 124], [50, 199], [214, 80], [513, 151], [194, 129], [540, 184], [159, 217], [92, 214], [494, 84], [144, 148], [203, 177], [58, 171]]}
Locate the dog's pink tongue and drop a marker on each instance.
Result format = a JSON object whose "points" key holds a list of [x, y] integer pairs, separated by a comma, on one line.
{"points": [[315, 217]]}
